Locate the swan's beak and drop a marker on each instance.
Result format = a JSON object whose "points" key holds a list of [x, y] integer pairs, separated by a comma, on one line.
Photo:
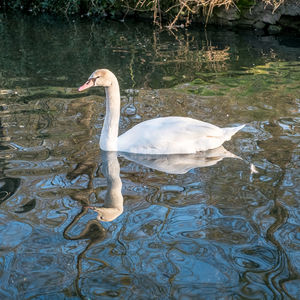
{"points": [[87, 85]]}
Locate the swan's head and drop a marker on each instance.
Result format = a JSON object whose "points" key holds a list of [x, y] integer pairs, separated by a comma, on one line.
{"points": [[101, 77], [107, 214]]}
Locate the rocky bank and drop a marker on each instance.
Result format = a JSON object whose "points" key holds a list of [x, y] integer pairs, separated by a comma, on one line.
{"points": [[255, 14]]}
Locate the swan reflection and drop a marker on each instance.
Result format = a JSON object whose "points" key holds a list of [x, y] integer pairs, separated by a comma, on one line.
{"points": [[113, 202], [180, 163], [172, 164]]}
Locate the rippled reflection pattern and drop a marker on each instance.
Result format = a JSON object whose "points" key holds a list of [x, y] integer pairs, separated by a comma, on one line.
{"points": [[211, 230]]}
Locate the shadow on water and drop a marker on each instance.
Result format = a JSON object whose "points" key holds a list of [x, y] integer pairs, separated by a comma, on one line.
{"points": [[8, 186], [173, 228]]}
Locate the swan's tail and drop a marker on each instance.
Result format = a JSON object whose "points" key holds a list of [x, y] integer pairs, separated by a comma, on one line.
{"points": [[230, 131]]}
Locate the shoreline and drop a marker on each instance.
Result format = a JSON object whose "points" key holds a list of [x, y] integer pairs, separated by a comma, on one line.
{"points": [[245, 14]]}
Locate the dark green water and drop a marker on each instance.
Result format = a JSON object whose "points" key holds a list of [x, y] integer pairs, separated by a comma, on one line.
{"points": [[215, 232]]}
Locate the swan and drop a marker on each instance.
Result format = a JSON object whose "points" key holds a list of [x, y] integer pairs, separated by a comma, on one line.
{"points": [[165, 135]]}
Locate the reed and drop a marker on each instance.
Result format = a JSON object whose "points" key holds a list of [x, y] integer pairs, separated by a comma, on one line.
{"points": [[185, 9]]}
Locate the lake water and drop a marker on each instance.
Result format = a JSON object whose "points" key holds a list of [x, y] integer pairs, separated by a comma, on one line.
{"points": [[218, 231]]}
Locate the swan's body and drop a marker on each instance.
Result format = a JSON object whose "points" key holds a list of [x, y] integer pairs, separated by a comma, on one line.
{"points": [[173, 135], [168, 135]]}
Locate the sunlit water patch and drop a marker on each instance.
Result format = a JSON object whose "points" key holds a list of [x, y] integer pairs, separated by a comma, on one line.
{"points": [[216, 231]]}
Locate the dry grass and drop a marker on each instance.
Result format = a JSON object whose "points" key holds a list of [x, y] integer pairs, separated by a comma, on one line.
{"points": [[190, 7], [274, 3], [186, 8]]}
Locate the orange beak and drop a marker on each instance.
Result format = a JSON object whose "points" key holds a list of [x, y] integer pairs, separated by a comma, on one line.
{"points": [[87, 85]]}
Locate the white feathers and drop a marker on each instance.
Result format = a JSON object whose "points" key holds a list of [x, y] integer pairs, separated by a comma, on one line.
{"points": [[174, 135], [169, 135]]}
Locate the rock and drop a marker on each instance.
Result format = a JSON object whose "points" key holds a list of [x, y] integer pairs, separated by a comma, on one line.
{"points": [[246, 22], [270, 18], [290, 22], [258, 15], [290, 8], [259, 25], [274, 29], [230, 14]]}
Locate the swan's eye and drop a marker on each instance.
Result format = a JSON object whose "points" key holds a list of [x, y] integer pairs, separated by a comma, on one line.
{"points": [[94, 79]]}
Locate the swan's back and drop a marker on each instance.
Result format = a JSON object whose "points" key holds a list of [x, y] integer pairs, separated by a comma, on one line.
{"points": [[173, 135]]}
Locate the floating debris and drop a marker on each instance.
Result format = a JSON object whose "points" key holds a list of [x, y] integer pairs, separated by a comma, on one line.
{"points": [[253, 169], [8, 92]]}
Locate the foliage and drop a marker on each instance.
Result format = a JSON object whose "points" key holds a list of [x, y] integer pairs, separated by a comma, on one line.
{"points": [[172, 10], [64, 7]]}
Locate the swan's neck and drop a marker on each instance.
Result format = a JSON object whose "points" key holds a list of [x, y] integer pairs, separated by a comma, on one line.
{"points": [[109, 133]]}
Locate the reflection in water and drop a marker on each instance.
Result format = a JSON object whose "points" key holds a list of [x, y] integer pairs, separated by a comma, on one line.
{"points": [[210, 233], [180, 163], [93, 232], [113, 202], [8, 185], [173, 164]]}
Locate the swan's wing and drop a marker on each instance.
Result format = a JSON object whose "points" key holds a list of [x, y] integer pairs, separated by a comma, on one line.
{"points": [[171, 135]]}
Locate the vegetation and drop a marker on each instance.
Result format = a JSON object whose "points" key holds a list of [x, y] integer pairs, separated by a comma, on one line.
{"points": [[171, 10]]}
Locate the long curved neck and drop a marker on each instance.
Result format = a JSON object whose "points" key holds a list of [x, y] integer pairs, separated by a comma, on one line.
{"points": [[110, 129]]}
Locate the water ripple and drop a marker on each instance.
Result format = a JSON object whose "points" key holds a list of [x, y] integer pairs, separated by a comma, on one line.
{"points": [[219, 232]]}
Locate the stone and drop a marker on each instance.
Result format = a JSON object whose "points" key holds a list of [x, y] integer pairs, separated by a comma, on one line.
{"points": [[274, 29], [229, 14], [270, 18], [259, 25], [290, 8], [290, 22], [259, 15]]}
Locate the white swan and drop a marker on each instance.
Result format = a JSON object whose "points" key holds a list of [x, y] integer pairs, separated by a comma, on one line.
{"points": [[168, 135]]}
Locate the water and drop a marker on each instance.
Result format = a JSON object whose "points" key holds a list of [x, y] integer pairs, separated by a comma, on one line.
{"points": [[218, 231]]}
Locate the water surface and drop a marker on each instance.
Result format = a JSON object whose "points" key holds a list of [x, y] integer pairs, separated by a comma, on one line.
{"points": [[218, 231]]}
